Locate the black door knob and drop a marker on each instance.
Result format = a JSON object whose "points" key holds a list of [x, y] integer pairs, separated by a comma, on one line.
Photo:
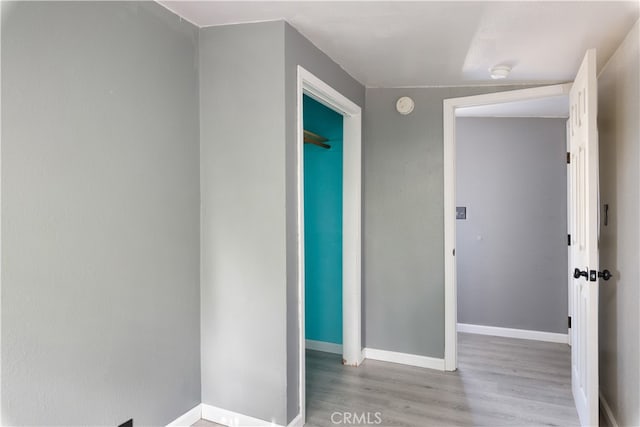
{"points": [[605, 274], [577, 274]]}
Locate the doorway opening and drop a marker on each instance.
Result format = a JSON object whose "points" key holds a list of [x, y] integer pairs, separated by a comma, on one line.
{"points": [[490, 104], [511, 220], [509, 178], [322, 226], [584, 214], [311, 89]]}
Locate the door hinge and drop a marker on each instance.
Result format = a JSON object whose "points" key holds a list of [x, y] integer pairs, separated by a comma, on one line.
{"points": [[568, 158], [569, 318], [569, 239]]}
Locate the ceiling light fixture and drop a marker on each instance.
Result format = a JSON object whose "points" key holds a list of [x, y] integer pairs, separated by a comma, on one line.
{"points": [[500, 72]]}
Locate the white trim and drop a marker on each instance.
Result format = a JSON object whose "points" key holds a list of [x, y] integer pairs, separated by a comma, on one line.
{"points": [[232, 419], [571, 235], [404, 358], [449, 117], [312, 86], [523, 334], [352, 241], [302, 384], [225, 417], [296, 422], [450, 280], [327, 347], [608, 413], [502, 116], [1, 272], [488, 84], [188, 418]]}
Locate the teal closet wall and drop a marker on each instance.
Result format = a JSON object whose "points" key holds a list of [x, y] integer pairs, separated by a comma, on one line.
{"points": [[323, 225]]}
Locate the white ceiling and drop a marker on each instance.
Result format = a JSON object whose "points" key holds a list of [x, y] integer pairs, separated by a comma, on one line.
{"points": [[440, 43], [555, 106]]}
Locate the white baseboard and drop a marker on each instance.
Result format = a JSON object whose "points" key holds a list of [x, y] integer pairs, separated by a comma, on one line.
{"points": [[513, 333], [187, 419], [362, 357], [608, 413], [327, 347], [226, 418], [232, 419], [296, 422], [404, 358]]}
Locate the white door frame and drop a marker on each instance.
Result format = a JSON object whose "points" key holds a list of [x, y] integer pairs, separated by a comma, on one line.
{"points": [[449, 120], [312, 86], [570, 208]]}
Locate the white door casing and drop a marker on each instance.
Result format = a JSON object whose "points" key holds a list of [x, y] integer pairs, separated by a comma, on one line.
{"points": [[309, 84], [569, 230], [449, 117], [584, 208], [583, 139]]}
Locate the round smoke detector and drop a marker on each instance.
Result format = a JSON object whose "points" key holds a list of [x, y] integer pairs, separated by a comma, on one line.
{"points": [[500, 72], [405, 105]]}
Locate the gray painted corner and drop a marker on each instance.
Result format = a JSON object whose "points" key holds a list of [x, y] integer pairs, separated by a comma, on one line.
{"points": [[301, 52], [100, 208], [134, 127], [230, 80], [243, 292], [619, 132], [511, 251], [403, 235], [403, 260]]}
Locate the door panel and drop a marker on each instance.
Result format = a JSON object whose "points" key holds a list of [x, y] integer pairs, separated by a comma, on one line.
{"points": [[583, 140], [570, 205]]}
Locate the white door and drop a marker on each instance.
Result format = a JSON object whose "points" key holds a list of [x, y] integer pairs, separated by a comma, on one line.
{"points": [[570, 209], [583, 134]]}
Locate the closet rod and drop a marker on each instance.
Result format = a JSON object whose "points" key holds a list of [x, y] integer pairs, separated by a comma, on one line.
{"points": [[314, 138]]}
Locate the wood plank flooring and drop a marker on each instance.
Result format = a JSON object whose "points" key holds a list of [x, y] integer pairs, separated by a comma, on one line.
{"points": [[500, 382]]}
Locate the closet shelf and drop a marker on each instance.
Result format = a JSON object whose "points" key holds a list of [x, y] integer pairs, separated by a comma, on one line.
{"points": [[315, 139]]}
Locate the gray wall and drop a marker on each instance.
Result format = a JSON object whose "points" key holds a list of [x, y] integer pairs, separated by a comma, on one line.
{"points": [[243, 285], [403, 259], [249, 201], [619, 128], [100, 208], [299, 51], [511, 251]]}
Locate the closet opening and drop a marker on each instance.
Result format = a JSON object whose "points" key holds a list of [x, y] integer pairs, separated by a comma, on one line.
{"points": [[322, 157], [329, 223], [323, 144]]}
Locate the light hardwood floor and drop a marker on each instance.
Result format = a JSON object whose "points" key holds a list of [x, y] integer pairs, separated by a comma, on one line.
{"points": [[500, 382]]}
